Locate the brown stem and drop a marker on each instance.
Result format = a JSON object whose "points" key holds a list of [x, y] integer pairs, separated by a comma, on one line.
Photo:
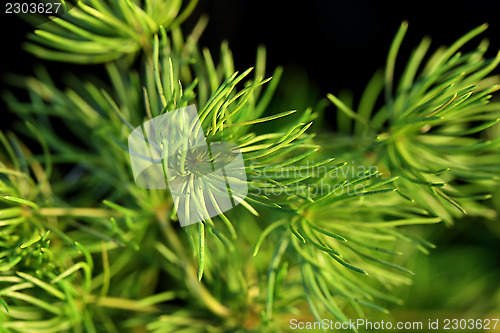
{"points": [[194, 285]]}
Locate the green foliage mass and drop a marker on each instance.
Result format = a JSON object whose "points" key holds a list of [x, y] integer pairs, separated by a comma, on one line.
{"points": [[84, 249]]}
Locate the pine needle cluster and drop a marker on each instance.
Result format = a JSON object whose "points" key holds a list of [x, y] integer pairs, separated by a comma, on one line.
{"points": [[84, 249]]}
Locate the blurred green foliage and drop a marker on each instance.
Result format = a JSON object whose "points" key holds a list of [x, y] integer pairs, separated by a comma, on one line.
{"points": [[83, 249]]}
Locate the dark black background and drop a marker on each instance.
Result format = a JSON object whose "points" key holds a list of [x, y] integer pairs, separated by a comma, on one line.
{"points": [[337, 44]]}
